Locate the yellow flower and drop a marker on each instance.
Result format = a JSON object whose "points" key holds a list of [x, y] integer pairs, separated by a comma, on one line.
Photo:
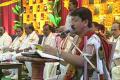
{"points": [[66, 3]]}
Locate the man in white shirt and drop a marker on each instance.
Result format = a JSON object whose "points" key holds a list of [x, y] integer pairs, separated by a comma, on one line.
{"points": [[116, 56], [56, 42], [5, 40], [72, 6], [11, 50], [30, 38]]}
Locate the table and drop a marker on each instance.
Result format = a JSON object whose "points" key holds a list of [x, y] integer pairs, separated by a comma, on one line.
{"points": [[37, 65], [8, 65]]}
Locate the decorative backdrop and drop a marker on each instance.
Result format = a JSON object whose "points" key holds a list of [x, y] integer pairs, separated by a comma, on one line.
{"points": [[7, 16]]}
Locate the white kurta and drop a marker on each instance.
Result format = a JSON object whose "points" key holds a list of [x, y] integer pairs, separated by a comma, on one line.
{"points": [[117, 47], [14, 45], [95, 40], [5, 41], [68, 22], [116, 58], [51, 68], [28, 41]]}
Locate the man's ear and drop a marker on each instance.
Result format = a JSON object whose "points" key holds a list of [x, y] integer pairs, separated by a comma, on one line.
{"points": [[85, 22]]}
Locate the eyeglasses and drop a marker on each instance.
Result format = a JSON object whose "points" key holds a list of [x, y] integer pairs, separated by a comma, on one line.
{"points": [[113, 29]]}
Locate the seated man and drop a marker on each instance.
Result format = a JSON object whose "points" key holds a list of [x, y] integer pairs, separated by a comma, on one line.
{"points": [[11, 50], [49, 38], [30, 38], [116, 56], [5, 40], [65, 45], [56, 42]]}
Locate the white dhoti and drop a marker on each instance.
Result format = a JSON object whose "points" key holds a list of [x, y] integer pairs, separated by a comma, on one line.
{"points": [[116, 73], [50, 71]]}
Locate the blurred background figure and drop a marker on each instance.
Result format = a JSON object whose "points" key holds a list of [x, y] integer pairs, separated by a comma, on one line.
{"points": [[116, 56], [5, 39], [94, 26], [72, 6]]}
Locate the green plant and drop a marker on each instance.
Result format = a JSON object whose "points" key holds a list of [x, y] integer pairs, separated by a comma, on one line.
{"points": [[54, 17], [16, 9], [18, 24]]}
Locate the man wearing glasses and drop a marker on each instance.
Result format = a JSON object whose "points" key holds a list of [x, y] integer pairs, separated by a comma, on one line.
{"points": [[116, 56]]}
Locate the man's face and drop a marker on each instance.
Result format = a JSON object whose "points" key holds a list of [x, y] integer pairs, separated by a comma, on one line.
{"points": [[1, 30], [27, 30], [78, 24], [19, 32], [46, 30], [115, 29]]}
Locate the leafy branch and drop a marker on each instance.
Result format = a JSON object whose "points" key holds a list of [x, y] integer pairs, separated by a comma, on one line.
{"points": [[54, 17]]}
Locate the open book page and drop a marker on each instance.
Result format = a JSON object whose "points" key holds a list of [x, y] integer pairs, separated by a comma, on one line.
{"points": [[38, 47], [45, 55]]}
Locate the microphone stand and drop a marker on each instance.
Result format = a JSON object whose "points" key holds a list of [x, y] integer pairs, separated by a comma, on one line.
{"points": [[92, 65]]}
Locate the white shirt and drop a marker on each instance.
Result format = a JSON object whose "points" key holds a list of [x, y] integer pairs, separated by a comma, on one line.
{"points": [[95, 40], [16, 42], [5, 40], [117, 47], [68, 22], [29, 40]]}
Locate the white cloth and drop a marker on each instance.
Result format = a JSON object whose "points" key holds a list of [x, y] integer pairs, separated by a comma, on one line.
{"points": [[17, 42], [5, 41], [116, 73], [14, 45], [117, 47], [68, 23], [28, 41], [95, 40], [115, 69], [51, 68]]}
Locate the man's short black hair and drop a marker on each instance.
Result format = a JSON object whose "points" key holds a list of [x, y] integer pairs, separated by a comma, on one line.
{"points": [[31, 27], [74, 2], [51, 28], [84, 14]]}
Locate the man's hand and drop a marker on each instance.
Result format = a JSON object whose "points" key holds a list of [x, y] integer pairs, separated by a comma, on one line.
{"points": [[50, 50], [11, 50]]}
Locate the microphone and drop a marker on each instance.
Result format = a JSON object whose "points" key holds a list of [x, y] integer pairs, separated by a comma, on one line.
{"points": [[64, 33]]}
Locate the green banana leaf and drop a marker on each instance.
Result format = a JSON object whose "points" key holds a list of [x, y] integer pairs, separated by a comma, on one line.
{"points": [[18, 22], [15, 11], [17, 8], [52, 19], [16, 26], [58, 19]]}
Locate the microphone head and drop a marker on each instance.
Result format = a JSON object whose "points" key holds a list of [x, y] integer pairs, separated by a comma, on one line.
{"points": [[64, 33]]}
